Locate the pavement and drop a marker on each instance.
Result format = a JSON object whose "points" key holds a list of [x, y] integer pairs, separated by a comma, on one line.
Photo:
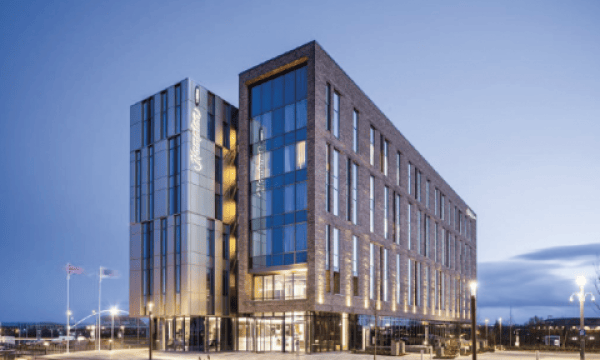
{"points": [[161, 355]]}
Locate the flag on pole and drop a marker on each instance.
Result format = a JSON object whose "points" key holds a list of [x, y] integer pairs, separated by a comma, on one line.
{"points": [[108, 273], [72, 269]]}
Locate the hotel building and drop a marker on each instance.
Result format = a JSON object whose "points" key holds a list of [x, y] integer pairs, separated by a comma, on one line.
{"points": [[335, 220]]}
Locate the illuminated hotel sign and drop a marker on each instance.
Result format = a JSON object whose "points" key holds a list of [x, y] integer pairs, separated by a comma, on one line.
{"points": [[195, 129]]}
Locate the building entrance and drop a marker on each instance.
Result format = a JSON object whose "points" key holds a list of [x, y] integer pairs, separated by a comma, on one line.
{"points": [[279, 333]]}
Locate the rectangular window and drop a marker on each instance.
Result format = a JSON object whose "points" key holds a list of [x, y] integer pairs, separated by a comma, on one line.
{"points": [[336, 115], [353, 192], [355, 131], [409, 222], [210, 273], [177, 109], [427, 189], [436, 289], [278, 287], [372, 204], [398, 169], [148, 110], [436, 244], [386, 274], [409, 184], [420, 232], [328, 106], [327, 258], [398, 279], [418, 185], [218, 184], [336, 182], [437, 202], [164, 105], [163, 256], [418, 284], [371, 271], [177, 254], [442, 206], [427, 239], [225, 242], [372, 145], [138, 186], [397, 219], [327, 179], [355, 264], [410, 283], [148, 252], [336, 261], [429, 300], [384, 156], [225, 282], [386, 211], [210, 122], [150, 182], [174, 174]]}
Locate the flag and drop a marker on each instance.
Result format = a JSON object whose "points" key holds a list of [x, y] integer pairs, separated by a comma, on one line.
{"points": [[72, 269], [108, 273]]}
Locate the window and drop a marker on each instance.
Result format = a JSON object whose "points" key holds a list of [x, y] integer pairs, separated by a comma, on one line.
{"points": [[148, 245], [429, 301], [354, 194], [398, 169], [427, 248], [418, 185], [372, 145], [336, 261], [148, 110], [163, 256], [427, 187], [371, 271], [397, 218], [279, 287], [336, 115], [327, 179], [410, 294], [150, 182], [418, 283], [355, 264], [409, 222], [437, 202], [225, 283], [420, 232], [174, 174], [437, 289], [355, 131], [348, 190], [328, 106], [210, 271], [138, 186], [384, 156], [226, 125], [327, 257], [210, 122], [177, 109], [436, 244], [225, 242], [336, 182], [386, 211], [164, 104], [398, 279], [386, 274], [409, 184], [442, 206], [177, 254], [218, 184], [372, 204]]}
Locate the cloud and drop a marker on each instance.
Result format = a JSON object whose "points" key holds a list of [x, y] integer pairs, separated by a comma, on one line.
{"points": [[569, 252]]}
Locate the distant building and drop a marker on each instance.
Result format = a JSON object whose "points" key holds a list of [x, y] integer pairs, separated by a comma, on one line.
{"points": [[288, 226]]}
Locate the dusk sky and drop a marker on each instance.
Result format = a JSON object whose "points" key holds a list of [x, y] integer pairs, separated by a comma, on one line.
{"points": [[502, 98]]}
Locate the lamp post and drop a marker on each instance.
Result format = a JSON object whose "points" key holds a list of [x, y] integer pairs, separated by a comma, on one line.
{"points": [[500, 321], [150, 305], [113, 312], [473, 317], [581, 295]]}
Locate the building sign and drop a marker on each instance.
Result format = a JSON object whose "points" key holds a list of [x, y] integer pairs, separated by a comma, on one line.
{"points": [[195, 128], [197, 95]]}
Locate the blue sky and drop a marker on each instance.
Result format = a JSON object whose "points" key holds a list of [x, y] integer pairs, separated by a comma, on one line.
{"points": [[500, 97]]}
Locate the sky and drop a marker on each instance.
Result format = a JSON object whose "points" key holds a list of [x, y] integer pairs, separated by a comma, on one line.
{"points": [[502, 99]]}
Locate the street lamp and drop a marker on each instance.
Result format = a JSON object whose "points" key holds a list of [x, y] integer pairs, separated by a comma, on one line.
{"points": [[150, 305], [113, 311], [473, 317], [500, 321], [581, 295]]}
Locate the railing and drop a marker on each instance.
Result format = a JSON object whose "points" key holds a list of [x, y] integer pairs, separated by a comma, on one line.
{"points": [[50, 347]]}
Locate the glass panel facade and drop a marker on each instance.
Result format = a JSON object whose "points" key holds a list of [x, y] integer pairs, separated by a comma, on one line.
{"points": [[278, 170], [288, 286]]}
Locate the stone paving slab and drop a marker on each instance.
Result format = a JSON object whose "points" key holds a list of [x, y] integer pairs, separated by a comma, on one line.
{"points": [[161, 355]]}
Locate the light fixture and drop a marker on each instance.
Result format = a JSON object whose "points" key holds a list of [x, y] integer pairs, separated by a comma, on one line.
{"points": [[473, 288], [581, 280]]}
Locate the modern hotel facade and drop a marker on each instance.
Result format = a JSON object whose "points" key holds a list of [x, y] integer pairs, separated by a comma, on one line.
{"points": [[335, 220]]}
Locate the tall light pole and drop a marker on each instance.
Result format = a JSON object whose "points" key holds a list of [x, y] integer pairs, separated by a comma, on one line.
{"points": [[473, 316], [581, 295], [500, 321], [150, 305], [113, 312]]}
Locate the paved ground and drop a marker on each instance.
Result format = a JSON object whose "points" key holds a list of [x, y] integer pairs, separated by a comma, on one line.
{"points": [[159, 355]]}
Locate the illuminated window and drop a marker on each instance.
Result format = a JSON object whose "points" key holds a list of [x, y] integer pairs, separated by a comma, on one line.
{"points": [[355, 264], [174, 175], [386, 211], [336, 115], [397, 218], [371, 271], [398, 169], [336, 261], [148, 251], [372, 145], [355, 131], [336, 182], [328, 106], [150, 182], [177, 109], [410, 294], [372, 204], [386, 274], [280, 286], [398, 279], [138, 186], [327, 179]]}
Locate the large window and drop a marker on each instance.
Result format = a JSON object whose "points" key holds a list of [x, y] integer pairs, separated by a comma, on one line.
{"points": [[355, 265], [384, 156], [148, 109], [386, 274], [138, 186], [163, 256], [398, 169], [327, 179], [328, 106], [210, 122], [278, 170], [336, 182], [372, 146], [177, 254], [397, 218], [420, 232], [372, 203], [148, 245], [336, 261], [353, 182], [398, 279], [418, 284], [409, 222], [150, 182], [164, 105], [218, 183], [372, 271], [355, 131], [174, 175], [280, 287], [409, 182], [386, 211], [177, 109], [336, 115]]}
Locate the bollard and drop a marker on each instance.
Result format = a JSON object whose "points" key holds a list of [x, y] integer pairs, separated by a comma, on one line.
{"points": [[537, 355], [421, 354]]}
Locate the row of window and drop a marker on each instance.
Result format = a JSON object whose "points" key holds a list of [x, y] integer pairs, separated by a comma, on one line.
{"points": [[289, 286]]}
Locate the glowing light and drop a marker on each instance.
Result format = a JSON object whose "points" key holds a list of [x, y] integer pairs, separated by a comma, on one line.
{"points": [[581, 280], [195, 149], [473, 288], [114, 310]]}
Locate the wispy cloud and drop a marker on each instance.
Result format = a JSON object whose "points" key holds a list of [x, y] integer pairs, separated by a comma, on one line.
{"points": [[569, 252]]}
